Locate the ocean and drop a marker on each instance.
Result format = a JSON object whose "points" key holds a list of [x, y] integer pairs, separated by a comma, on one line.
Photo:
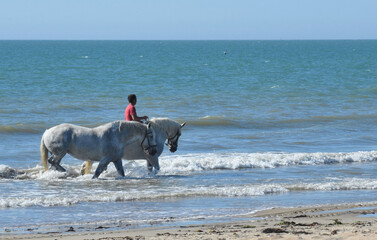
{"points": [[269, 124]]}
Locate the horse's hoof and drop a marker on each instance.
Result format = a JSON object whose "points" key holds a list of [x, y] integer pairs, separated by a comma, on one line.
{"points": [[58, 168], [61, 169]]}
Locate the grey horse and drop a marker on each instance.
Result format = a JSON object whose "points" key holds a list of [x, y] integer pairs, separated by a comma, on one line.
{"points": [[165, 129], [106, 143]]}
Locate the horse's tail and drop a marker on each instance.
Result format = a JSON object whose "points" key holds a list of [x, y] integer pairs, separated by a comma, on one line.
{"points": [[44, 154]]}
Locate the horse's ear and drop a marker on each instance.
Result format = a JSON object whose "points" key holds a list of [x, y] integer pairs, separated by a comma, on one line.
{"points": [[149, 125], [120, 126], [183, 124]]}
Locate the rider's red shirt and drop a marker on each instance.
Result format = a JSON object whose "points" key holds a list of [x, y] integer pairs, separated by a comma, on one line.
{"points": [[130, 110]]}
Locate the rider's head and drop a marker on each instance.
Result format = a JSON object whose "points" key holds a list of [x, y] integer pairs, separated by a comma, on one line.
{"points": [[132, 99]]}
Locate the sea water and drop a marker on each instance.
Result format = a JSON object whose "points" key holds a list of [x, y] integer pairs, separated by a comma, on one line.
{"points": [[269, 124]]}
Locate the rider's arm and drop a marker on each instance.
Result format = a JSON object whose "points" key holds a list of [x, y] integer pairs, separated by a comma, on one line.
{"points": [[136, 118]]}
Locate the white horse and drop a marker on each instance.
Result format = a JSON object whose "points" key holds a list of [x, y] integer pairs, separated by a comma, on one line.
{"points": [[165, 129], [107, 143]]}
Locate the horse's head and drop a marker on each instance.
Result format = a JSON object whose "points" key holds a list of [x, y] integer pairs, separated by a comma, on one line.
{"points": [[173, 140], [149, 144]]}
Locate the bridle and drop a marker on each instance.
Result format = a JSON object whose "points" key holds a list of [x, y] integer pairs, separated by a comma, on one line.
{"points": [[148, 133], [177, 135]]}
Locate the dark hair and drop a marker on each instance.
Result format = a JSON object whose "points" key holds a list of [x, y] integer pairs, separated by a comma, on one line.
{"points": [[131, 98]]}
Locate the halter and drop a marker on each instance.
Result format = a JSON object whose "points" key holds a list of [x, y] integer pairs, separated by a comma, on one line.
{"points": [[149, 144]]}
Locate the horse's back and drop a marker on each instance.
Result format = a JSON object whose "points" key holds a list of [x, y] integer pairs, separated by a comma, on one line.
{"points": [[58, 137], [93, 143], [67, 130], [80, 142]]}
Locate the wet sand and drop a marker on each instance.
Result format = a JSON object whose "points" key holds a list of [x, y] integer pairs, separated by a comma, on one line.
{"points": [[352, 221]]}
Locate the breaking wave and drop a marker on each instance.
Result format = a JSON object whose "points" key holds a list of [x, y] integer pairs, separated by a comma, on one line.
{"points": [[213, 121], [95, 196], [211, 161], [181, 164], [140, 185], [135, 194]]}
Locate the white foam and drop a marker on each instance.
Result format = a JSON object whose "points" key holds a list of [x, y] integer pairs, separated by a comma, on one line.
{"points": [[209, 161], [245, 190], [179, 165], [338, 184], [185, 164], [208, 117], [75, 197], [7, 172]]}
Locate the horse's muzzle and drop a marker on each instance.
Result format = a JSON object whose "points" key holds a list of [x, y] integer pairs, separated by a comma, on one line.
{"points": [[172, 148]]}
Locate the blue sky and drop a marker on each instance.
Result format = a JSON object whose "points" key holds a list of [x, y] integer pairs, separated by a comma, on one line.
{"points": [[188, 19]]}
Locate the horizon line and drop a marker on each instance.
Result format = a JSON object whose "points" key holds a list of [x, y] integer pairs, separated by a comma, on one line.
{"points": [[319, 39]]}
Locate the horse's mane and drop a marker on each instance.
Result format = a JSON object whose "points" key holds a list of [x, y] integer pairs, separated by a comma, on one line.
{"points": [[165, 124]]}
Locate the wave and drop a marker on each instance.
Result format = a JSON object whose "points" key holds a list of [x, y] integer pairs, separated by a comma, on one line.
{"points": [[213, 121], [206, 121], [178, 165], [212, 161], [76, 107], [329, 118], [224, 121], [169, 192], [187, 163], [20, 128], [35, 128], [337, 184], [136, 194], [8, 172], [10, 111]]}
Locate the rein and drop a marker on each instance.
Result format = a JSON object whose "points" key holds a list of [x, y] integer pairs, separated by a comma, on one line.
{"points": [[149, 143]]}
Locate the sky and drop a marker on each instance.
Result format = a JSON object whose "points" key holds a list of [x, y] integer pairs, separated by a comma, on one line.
{"points": [[187, 19]]}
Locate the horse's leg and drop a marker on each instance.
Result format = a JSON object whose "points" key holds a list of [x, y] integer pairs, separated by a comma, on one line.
{"points": [[152, 162], [85, 167], [156, 164], [88, 166], [119, 166], [101, 166], [54, 160], [149, 166]]}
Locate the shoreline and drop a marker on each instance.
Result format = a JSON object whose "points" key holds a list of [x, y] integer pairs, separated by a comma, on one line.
{"points": [[345, 221]]}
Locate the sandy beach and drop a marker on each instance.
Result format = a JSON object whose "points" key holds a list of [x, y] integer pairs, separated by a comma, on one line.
{"points": [[352, 221]]}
